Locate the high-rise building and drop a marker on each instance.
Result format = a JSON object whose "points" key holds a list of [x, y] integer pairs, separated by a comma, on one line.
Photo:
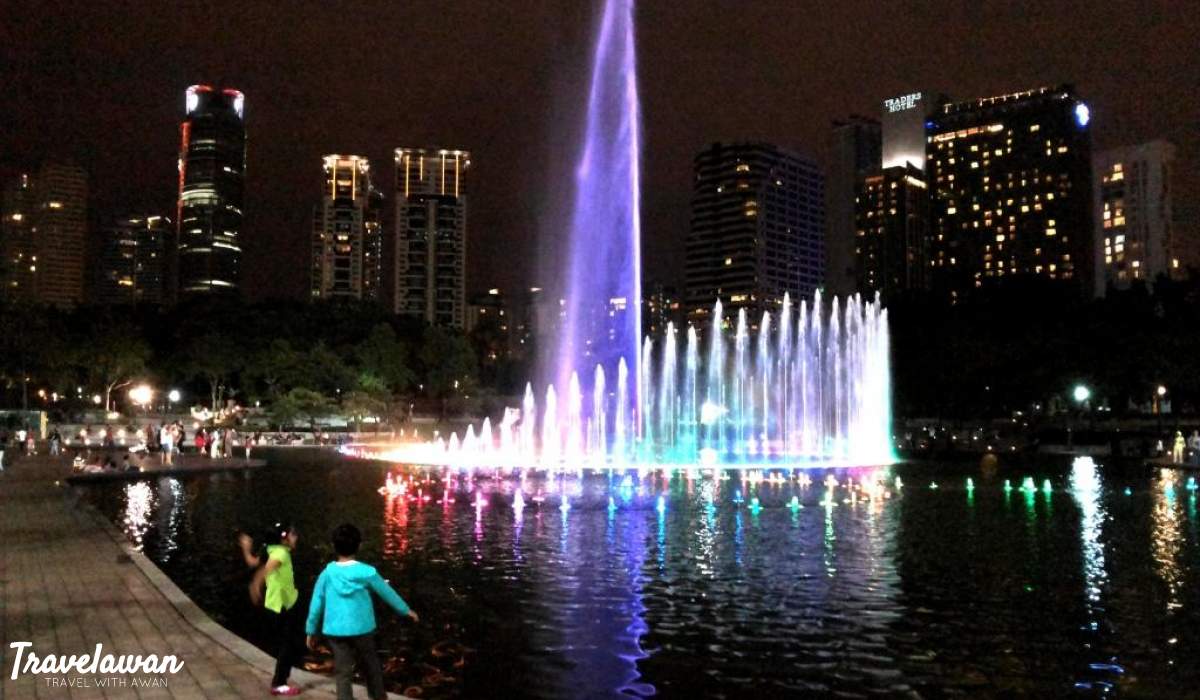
{"points": [[1011, 181], [18, 264], [347, 238], [45, 235], [891, 244], [1133, 215], [431, 235], [130, 262], [757, 230], [855, 153], [212, 168]]}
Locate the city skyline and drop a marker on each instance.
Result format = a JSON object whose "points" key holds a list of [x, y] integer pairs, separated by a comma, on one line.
{"points": [[788, 98]]}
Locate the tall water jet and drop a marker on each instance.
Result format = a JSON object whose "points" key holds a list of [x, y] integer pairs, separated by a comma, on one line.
{"points": [[602, 286]]}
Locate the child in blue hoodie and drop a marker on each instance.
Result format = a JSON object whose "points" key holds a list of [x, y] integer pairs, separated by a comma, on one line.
{"points": [[343, 613]]}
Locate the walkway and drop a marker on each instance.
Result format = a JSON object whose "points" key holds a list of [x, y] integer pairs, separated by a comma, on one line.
{"points": [[68, 581]]}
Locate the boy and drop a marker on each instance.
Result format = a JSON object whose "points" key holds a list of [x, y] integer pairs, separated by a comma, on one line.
{"points": [[342, 612]]}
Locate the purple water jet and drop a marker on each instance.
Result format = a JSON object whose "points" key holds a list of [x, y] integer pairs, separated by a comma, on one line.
{"points": [[602, 292]]}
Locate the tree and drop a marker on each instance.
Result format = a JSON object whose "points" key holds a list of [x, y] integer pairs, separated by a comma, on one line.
{"points": [[214, 358], [273, 367], [113, 359], [312, 405], [360, 404], [449, 364], [383, 356]]}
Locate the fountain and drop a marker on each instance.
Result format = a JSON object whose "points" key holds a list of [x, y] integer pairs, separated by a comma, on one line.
{"points": [[809, 388]]}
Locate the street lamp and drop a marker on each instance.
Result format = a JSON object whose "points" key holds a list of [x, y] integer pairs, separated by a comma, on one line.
{"points": [[1081, 393], [173, 396]]}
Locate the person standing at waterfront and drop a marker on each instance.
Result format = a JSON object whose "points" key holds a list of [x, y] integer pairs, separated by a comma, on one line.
{"points": [[342, 612], [1177, 448], [55, 443], [274, 587], [200, 441], [166, 441]]}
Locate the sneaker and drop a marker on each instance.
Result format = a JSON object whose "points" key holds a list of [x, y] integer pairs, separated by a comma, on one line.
{"points": [[286, 690]]}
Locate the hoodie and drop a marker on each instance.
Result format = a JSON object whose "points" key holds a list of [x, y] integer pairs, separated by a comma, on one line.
{"points": [[341, 602]]}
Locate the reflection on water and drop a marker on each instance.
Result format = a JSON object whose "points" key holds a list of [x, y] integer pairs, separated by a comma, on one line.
{"points": [[1073, 578]]}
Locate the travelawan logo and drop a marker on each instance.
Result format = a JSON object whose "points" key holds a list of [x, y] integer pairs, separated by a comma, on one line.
{"points": [[80, 671]]}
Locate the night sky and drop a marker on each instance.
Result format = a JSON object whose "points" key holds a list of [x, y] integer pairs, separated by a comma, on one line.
{"points": [[104, 82]]}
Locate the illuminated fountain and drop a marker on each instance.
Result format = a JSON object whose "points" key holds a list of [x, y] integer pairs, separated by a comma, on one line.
{"points": [[808, 386]]}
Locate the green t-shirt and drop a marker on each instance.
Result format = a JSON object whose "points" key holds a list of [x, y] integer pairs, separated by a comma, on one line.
{"points": [[281, 584]]}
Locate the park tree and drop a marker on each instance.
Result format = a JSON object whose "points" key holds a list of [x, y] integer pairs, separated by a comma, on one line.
{"points": [[273, 368], [113, 358], [449, 366], [384, 357], [215, 359]]}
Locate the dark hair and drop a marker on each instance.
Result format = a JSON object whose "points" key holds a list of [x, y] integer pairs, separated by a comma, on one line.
{"points": [[346, 539], [276, 533]]}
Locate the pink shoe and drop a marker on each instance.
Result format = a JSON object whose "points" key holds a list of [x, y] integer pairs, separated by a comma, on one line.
{"points": [[286, 690]]}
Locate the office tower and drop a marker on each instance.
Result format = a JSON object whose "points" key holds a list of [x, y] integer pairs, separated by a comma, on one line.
{"points": [[854, 153], [891, 244], [1135, 239], [18, 266], [130, 261], [347, 236], [661, 306], [757, 230], [431, 235], [45, 235], [1011, 181], [212, 167]]}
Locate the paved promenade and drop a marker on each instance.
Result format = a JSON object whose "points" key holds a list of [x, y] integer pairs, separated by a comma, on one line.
{"points": [[69, 581]]}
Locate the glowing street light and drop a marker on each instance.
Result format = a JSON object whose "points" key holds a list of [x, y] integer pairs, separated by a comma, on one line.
{"points": [[141, 394], [173, 396], [96, 399], [1082, 393], [1161, 391]]}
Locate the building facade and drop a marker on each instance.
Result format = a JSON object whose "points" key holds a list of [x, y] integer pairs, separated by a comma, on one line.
{"points": [[855, 145], [212, 169], [347, 236], [129, 266], [892, 232], [1010, 177], [431, 235], [757, 230], [1135, 238], [44, 235]]}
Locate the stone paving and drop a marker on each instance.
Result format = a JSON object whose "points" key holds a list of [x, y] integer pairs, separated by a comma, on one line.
{"points": [[69, 581]]}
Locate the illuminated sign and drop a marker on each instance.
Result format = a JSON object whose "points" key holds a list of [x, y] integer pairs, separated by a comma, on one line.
{"points": [[899, 104]]}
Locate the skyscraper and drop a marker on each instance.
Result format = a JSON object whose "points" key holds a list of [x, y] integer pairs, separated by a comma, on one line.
{"points": [[212, 166], [891, 244], [347, 239], [18, 264], [1135, 238], [855, 153], [45, 235], [757, 231], [130, 263], [1011, 180], [431, 235]]}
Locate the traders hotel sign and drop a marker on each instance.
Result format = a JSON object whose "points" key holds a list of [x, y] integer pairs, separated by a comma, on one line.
{"points": [[899, 104]]}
